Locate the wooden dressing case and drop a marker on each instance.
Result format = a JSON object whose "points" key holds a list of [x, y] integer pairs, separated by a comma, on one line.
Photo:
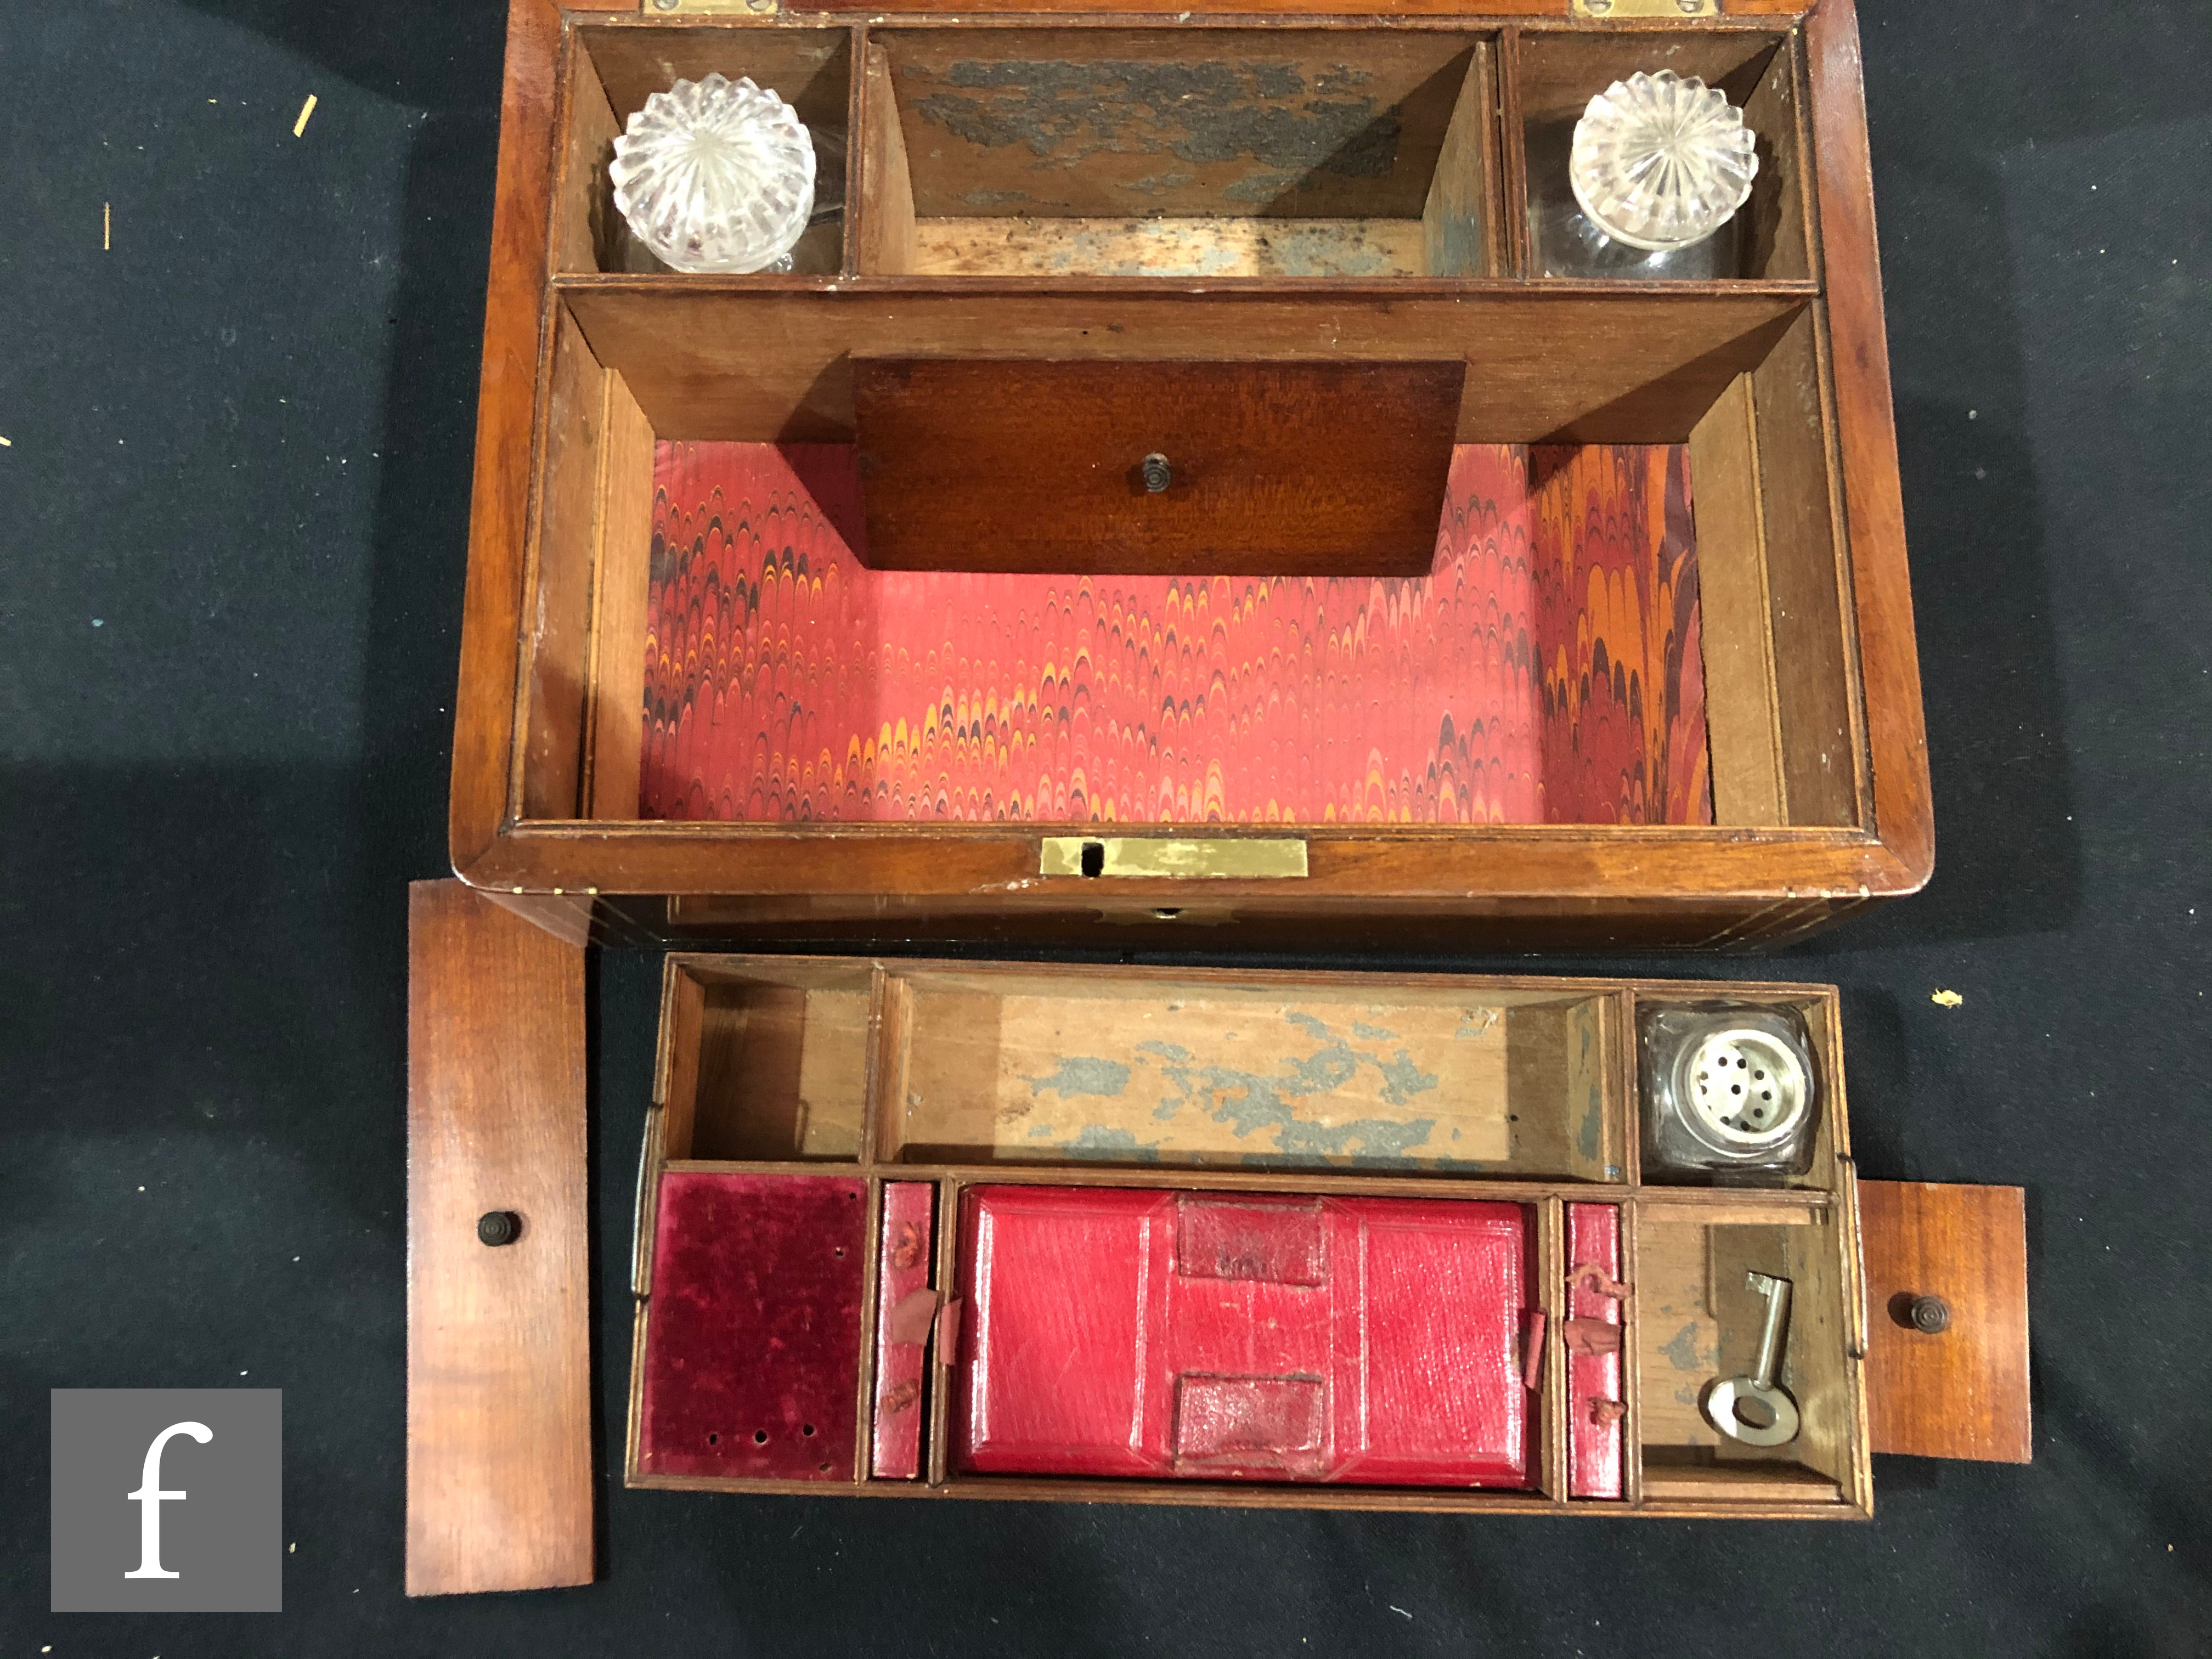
{"points": [[1195, 484], [1496, 592]]}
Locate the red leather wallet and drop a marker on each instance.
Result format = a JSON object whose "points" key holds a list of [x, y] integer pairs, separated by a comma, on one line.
{"points": [[1212, 1336]]}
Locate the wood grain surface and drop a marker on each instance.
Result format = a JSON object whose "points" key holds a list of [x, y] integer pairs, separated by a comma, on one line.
{"points": [[1589, 361], [499, 1433], [1314, 469], [1962, 1392], [1188, 1077]]}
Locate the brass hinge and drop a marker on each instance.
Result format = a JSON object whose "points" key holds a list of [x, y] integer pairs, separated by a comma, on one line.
{"points": [[1608, 11], [1164, 858], [695, 8]]}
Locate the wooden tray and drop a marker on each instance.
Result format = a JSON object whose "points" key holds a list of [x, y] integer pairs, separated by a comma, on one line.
{"points": [[1703, 734], [875, 1095]]}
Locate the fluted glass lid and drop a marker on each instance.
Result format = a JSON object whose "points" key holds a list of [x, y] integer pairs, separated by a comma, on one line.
{"points": [[715, 175], [1660, 162]]}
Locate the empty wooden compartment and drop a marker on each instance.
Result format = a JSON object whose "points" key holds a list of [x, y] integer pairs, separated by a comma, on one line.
{"points": [[1206, 151]]}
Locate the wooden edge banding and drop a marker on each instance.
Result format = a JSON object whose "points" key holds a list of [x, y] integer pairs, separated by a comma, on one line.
{"points": [[1867, 430], [499, 1429]]}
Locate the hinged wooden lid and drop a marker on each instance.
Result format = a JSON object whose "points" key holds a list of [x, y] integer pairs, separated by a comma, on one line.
{"points": [[1947, 1320]]}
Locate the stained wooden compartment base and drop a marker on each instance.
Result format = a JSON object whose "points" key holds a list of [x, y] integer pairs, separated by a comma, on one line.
{"points": [[1110, 226], [963, 1078]]}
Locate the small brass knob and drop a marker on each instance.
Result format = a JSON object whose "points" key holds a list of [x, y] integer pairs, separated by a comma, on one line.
{"points": [[1930, 1313], [1158, 475], [498, 1227]]}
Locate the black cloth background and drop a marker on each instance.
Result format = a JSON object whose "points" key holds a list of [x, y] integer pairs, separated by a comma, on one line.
{"points": [[232, 517]]}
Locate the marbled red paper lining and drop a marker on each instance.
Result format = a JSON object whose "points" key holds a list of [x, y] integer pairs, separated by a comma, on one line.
{"points": [[1546, 671]]}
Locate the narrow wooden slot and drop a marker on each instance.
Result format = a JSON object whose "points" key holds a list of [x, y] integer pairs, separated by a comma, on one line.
{"points": [[945, 1343], [583, 205], [885, 225], [1512, 218], [1808, 585], [615, 682], [1550, 1266], [676, 1094], [634, 1430], [1631, 1343], [565, 554], [864, 1384]]}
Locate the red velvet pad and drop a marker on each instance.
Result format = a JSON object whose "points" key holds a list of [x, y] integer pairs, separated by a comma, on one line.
{"points": [[752, 1353], [1232, 1337], [1594, 1396]]}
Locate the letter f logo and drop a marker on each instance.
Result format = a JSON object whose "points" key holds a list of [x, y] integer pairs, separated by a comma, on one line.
{"points": [[149, 1494]]}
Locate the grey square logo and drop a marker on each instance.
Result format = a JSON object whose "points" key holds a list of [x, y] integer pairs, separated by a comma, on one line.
{"points": [[168, 1500]]}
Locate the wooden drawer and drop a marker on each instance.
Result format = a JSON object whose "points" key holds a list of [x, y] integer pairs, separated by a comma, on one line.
{"points": [[1318, 1101], [1655, 685], [820, 1286]]}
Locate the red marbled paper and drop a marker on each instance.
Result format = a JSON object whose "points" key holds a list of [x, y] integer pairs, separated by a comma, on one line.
{"points": [[1546, 670]]}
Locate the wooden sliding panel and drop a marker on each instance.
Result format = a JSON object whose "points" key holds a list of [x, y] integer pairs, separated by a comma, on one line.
{"points": [[1173, 468], [1736, 615], [1948, 1380], [499, 1430]]}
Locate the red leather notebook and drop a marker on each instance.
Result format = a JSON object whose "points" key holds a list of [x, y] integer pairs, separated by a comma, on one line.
{"points": [[1594, 1394], [905, 1310], [1217, 1336], [752, 1352]]}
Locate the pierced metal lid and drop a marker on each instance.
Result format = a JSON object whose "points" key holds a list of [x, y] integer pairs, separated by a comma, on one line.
{"points": [[1742, 1090]]}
